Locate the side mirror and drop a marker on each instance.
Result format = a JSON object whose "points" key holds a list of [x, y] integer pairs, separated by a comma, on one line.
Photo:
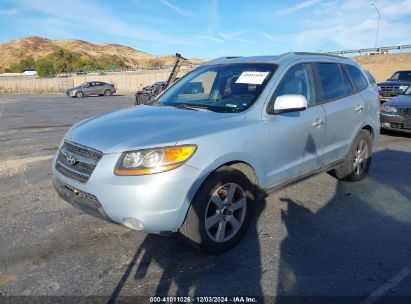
{"points": [[289, 103]]}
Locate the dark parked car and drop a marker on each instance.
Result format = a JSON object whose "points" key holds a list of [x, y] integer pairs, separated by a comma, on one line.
{"points": [[81, 72], [157, 86], [91, 88], [395, 85], [396, 113], [151, 91], [154, 86]]}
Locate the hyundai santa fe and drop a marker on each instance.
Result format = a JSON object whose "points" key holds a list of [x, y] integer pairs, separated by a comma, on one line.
{"points": [[196, 161]]}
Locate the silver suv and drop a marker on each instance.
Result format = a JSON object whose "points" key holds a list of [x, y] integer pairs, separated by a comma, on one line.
{"points": [[197, 158]]}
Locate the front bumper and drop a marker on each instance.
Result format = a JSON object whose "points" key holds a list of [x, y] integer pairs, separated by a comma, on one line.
{"points": [[394, 122], [159, 201], [80, 199], [71, 93]]}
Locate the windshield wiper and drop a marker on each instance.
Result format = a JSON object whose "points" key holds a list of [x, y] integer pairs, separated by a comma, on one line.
{"points": [[192, 107]]}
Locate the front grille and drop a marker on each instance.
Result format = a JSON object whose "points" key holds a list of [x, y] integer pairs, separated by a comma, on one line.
{"points": [[395, 125], [404, 111], [83, 151], [389, 89], [77, 162], [84, 195]]}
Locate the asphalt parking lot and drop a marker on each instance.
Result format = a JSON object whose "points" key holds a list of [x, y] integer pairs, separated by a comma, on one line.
{"points": [[317, 238]]}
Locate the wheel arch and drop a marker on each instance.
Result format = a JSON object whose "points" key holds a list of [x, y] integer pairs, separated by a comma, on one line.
{"points": [[244, 167], [240, 165], [370, 129]]}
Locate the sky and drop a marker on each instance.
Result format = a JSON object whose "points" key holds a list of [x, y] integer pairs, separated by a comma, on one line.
{"points": [[212, 28]]}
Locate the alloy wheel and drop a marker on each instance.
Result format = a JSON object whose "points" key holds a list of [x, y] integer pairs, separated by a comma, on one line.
{"points": [[360, 157], [225, 212]]}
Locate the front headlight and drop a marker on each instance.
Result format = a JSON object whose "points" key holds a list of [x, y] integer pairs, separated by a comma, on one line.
{"points": [[403, 87], [388, 109], [149, 161]]}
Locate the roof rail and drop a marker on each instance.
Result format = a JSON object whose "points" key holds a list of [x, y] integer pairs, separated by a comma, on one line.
{"points": [[319, 54]]}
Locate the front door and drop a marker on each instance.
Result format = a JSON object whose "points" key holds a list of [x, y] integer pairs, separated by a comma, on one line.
{"points": [[295, 140]]}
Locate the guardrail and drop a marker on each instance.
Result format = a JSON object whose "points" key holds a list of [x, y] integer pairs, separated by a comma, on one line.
{"points": [[373, 51]]}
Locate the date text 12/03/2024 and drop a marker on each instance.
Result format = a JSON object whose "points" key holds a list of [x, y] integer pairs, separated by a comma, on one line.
{"points": [[204, 299]]}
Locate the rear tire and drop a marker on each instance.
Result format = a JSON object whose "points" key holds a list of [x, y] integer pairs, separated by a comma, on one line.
{"points": [[220, 211], [107, 93], [358, 161], [80, 94]]}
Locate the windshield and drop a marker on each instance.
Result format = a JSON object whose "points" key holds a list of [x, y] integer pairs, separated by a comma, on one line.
{"points": [[219, 88], [401, 76]]}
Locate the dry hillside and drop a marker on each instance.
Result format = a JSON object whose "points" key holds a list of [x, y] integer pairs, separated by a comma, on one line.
{"points": [[36, 47], [383, 66]]}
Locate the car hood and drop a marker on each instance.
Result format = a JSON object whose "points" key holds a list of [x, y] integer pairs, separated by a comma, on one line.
{"points": [[148, 126], [400, 100], [75, 88], [394, 83]]}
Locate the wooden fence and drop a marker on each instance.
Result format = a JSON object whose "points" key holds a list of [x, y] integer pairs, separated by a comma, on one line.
{"points": [[124, 82]]}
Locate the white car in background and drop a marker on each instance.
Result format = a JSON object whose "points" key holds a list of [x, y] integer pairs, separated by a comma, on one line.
{"points": [[29, 72]]}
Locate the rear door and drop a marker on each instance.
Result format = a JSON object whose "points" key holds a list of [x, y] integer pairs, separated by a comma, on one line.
{"points": [[343, 107], [96, 88], [102, 86], [295, 140]]}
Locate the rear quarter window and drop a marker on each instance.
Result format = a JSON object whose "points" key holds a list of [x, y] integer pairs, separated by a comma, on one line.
{"points": [[357, 77]]}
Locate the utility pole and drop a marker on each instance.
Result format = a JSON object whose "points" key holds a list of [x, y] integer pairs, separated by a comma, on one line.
{"points": [[378, 26]]}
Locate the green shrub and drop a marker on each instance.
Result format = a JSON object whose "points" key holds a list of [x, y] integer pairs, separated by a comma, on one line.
{"points": [[62, 61], [45, 67]]}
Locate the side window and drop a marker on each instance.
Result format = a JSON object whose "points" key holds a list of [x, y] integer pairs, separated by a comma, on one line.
{"points": [[297, 80], [348, 86], [332, 81], [357, 77]]}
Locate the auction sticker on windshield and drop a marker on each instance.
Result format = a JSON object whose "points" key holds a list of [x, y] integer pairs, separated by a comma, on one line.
{"points": [[252, 77]]}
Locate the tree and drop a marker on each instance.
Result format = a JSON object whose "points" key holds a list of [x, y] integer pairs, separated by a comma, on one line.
{"points": [[155, 63], [45, 67], [18, 67]]}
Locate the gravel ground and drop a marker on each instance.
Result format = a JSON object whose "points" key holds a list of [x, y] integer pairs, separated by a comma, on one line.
{"points": [[320, 237]]}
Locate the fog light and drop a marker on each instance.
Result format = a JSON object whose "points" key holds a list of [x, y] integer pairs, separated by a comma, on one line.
{"points": [[133, 223], [386, 124]]}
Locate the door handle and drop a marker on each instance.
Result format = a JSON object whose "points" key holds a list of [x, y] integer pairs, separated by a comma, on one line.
{"points": [[359, 108], [318, 122]]}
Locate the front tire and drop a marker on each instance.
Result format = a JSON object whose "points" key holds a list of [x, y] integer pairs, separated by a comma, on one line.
{"points": [[80, 94], [220, 211], [358, 162]]}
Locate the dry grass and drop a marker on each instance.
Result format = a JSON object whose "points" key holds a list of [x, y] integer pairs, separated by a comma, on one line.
{"points": [[383, 66]]}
